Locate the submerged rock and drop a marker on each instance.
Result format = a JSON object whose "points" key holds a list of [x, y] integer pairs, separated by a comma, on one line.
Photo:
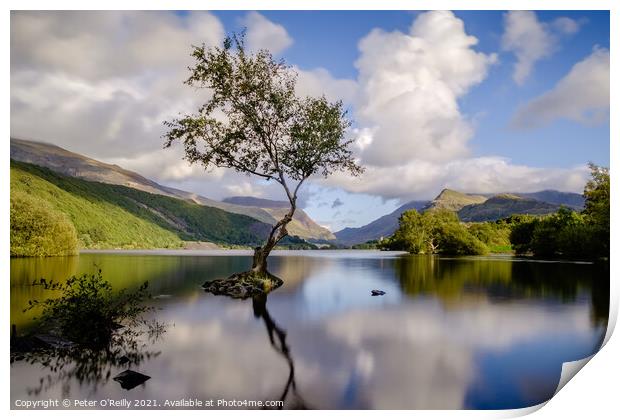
{"points": [[38, 342], [376, 292], [243, 285], [130, 379]]}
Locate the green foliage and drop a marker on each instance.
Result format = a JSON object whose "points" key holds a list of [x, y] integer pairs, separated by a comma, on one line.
{"points": [[38, 229], [87, 311], [597, 207], [568, 234], [454, 239], [496, 235], [523, 227], [373, 244], [268, 131], [114, 216], [434, 231]]}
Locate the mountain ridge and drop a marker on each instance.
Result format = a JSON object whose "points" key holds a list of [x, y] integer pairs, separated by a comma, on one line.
{"points": [[469, 207], [76, 165]]}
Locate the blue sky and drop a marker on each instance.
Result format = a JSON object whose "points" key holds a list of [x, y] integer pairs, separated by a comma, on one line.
{"points": [[329, 39], [523, 107]]}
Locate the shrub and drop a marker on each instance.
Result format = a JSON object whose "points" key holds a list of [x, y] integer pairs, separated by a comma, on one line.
{"points": [[454, 239], [87, 311], [38, 229]]}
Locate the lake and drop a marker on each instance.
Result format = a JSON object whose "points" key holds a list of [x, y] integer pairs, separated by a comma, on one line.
{"points": [[449, 333]]}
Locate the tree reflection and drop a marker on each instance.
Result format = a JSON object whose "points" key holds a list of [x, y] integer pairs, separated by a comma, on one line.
{"points": [[277, 338], [506, 279], [92, 367]]}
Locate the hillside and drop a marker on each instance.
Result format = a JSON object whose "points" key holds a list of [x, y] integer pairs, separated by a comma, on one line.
{"points": [[115, 216], [76, 165], [381, 227], [572, 200], [302, 225], [504, 205], [256, 202], [454, 200]]}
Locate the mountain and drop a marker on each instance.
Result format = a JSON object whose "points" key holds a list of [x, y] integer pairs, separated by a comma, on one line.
{"points": [[572, 200], [470, 208], [454, 200], [301, 225], [382, 227], [256, 202], [79, 166], [114, 216], [504, 205]]}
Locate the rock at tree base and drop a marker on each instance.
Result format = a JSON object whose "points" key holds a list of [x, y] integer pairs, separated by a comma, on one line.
{"points": [[243, 285], [130, 379], [39, 342], [377, 292]]}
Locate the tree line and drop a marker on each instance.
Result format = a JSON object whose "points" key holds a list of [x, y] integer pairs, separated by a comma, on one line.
{"points": [[564, 234]]}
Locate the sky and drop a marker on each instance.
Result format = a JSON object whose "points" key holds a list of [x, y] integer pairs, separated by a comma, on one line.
{"points": [[478, 101]]}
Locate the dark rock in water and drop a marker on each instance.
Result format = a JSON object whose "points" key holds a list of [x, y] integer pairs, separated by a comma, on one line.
{"points": [[54, 342], [123, 359], [130, 379], [243, 285], [376, 292]]}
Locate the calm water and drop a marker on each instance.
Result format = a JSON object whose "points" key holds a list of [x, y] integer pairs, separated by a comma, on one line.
{"points": [[481, 333]]}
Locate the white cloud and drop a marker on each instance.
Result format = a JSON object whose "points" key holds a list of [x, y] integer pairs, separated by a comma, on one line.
{"points": [[528, 38], [582, 95], [95, 45], [409, 86], [317, 82], [566, 25], [420, 179], [265, 34], [532, 40], [102, 83]]}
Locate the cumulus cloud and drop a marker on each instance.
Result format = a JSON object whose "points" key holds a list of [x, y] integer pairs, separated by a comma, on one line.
{"points": [[409, 86], [420, 179], [101, 83], [317, 82], [582, 95], [532, 40], [265, 34]]}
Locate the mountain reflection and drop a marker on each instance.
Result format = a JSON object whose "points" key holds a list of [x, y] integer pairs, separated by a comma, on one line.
{"points": [[449, 333]]}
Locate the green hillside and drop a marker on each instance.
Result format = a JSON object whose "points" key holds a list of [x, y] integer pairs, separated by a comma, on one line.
{"points": [[454, 200], [504, 205], [114, 216]]}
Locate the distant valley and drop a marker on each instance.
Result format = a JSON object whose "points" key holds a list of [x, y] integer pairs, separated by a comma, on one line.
{"points": [[469, 207]]}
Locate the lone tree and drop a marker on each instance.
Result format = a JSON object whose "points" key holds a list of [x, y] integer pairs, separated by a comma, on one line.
{"points": [[255, 123]]}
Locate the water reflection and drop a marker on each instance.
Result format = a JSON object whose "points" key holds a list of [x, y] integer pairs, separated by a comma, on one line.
{"points": [[90, 368], [277, 338], [449, 333]]}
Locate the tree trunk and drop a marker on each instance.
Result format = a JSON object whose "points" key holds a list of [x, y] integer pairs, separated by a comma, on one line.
{"points": [[259, 262]]}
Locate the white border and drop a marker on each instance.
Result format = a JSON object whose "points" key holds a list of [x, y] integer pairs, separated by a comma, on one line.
{"points": [[593, 394]]}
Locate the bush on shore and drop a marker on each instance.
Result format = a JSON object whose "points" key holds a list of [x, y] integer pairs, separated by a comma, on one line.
{"points": [[38, 229]]}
